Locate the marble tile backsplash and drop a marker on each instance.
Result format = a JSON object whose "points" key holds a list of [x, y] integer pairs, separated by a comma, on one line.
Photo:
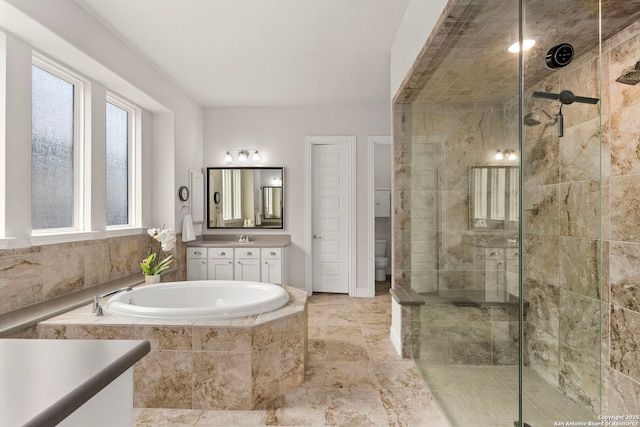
{"points": [[33, 275]]}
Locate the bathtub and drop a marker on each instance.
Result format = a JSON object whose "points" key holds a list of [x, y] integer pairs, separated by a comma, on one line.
{"points": [[198, 299]]}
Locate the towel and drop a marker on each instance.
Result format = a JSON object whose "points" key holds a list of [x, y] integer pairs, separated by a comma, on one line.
{"points": [[187, 229]]}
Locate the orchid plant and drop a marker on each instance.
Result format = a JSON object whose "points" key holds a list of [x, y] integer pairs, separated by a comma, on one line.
{"points": [[167, 239]]}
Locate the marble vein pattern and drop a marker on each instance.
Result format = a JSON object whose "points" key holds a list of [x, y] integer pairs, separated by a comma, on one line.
{"points": [[353, 377], [204, 364]]}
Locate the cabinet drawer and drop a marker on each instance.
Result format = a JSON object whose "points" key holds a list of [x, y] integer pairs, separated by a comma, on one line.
{"points": [[196, 253], [247, 253], [271, 253], [220, 252]]}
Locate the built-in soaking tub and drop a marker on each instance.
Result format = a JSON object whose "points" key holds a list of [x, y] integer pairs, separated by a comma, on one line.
{"points": [[199, 299], [201, 362]]}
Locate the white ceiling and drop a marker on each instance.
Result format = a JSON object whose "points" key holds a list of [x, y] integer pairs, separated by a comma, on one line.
{"points": [[263, 52]]}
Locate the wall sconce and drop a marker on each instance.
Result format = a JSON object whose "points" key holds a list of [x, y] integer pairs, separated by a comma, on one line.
{"points": [[243, 155], [506, 154]]}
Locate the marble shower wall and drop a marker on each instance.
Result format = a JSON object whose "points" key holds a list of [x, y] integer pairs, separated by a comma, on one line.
{"points": [[580, 254], [588, 229], [33, 275], [442, 143]]}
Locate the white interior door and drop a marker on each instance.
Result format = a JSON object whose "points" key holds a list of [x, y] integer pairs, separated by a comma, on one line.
{"points": [[330, 218]]}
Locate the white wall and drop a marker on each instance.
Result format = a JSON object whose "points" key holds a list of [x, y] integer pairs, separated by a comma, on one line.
{"points": [[416, 26], [65, 32], [279, 133]]}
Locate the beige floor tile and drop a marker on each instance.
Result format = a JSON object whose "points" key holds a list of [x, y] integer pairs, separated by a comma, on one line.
{"points": [[350, 358], [299, 407], [354, 408], [350, 375]]}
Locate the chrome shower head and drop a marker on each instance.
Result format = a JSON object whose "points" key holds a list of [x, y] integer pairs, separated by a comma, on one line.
{"points": [[630, 76], [533, 118]]}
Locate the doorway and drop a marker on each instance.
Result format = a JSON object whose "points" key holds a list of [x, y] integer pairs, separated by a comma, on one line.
{"points": [[330, 237], [380, 178]]}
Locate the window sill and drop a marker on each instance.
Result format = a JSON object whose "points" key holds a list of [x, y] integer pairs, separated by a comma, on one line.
{"points": [[54, 238], [5, 242], [128, 231]]}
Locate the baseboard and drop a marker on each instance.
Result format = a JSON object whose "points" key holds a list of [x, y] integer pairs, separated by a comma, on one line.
{"points": [[395, 340]]}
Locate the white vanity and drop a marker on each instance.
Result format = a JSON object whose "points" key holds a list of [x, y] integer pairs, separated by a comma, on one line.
{"points": [[261, 260]]}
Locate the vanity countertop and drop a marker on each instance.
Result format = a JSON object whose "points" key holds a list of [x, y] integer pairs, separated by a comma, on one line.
{"points": [[231, 241], [43, 381]]}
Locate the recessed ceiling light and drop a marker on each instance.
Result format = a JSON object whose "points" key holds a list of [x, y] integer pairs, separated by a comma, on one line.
{"points": [[528, 44]]}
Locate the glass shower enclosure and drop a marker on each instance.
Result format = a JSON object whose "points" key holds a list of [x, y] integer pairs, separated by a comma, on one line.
{"points": [[505, 147]]}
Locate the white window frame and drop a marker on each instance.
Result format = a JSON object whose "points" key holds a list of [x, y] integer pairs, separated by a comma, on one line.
{"points": [[81, 178], [134, 167]]}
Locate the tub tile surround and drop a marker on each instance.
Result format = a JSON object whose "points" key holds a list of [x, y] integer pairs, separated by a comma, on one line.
{"points": [[37, 274], [204, 364], [586, 234], [374, 388]]}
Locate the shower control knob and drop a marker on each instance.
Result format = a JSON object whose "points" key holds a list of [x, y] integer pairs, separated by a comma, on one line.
{"points": [[559, 56]]}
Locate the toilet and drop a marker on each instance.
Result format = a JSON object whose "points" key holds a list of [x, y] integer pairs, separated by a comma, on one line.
{"points": [[382, 262]]}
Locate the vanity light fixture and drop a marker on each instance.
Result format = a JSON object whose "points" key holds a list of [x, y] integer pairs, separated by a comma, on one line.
{"points": [[242, 155], [506, 154]]}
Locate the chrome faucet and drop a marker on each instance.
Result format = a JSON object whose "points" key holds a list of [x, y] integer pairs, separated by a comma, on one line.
{"points": [[97, 308]]}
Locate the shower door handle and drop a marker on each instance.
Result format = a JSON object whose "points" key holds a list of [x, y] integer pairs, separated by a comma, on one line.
{"points": [[534, 210], [315, 236]]}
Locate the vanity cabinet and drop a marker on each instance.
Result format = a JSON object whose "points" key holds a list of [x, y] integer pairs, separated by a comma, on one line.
{"points": [[244, 262], [273, 268], [247, 264], [197, 264], [501, 272], [219, 264]]}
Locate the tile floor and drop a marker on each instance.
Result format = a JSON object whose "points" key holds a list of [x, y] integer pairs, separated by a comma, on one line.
{"points": [[354, 377], [488, 396]]}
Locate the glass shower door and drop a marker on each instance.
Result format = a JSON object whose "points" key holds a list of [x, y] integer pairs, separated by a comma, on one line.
{"points": [[561, 232]]}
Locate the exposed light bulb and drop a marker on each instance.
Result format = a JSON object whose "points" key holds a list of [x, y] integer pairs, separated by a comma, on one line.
{"points": [[227, 157], [499, 155], [256, 156]]}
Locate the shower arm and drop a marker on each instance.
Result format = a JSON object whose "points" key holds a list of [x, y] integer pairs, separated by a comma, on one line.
{"points": [[566, 97]]}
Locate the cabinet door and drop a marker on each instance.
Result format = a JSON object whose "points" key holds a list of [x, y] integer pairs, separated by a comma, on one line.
{"points": [[220, 269], [197, 269], [247, 269], [271, 271]]}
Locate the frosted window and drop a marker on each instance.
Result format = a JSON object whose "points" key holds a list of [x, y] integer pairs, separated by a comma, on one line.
{"points": [[117, 163], [52, 139]]}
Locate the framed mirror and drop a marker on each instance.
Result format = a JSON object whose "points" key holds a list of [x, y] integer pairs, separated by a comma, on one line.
{"points": [[245, 197], [493, 201]]}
